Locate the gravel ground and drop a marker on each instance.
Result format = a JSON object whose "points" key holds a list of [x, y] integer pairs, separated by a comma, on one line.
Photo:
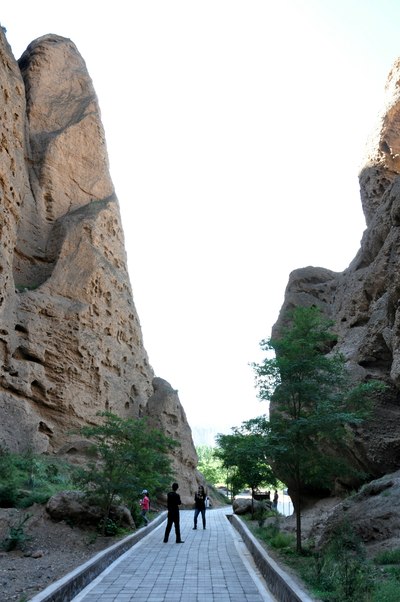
{"points": [[52, 550]]}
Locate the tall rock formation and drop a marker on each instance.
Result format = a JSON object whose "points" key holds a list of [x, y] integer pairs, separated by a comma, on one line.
{"points": [[70, 339], [364, 300], [166, 413]]}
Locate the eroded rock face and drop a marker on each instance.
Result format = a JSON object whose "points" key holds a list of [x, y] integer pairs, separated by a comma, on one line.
{"points": [[70, 339], [364, 300], [373, 513], [71, 343]]}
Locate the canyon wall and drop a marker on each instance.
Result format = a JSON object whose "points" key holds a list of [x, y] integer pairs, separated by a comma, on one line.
{"points": [[70, 338], [364, 300]]}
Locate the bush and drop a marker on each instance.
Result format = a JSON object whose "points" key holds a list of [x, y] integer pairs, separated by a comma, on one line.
{"points": [[283, 541], [341, 569], [388, 557], [27, 479], [8, 494], [387, 592], [108, 527], [17, 536], [136, 513], [260, 515]]}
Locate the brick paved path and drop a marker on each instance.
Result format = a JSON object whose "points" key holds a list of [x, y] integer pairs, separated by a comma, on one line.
{"points": [[211, 565]]}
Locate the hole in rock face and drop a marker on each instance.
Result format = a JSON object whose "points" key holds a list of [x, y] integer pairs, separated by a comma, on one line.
{"points": [[44, 428], [22, 353], [38, 390]]}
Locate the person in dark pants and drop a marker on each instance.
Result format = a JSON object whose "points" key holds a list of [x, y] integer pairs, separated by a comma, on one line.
{"points": [[200, 506], [173, 503], [275, 501]]}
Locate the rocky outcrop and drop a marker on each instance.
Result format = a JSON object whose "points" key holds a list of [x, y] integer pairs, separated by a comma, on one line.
{"points": [[166, 413], [364, 300], [71, 343], [74, 508], [373, 513], [70, 338]]}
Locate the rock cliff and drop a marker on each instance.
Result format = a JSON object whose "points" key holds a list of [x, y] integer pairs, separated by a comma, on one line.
{"points": [[364, 300], [70, 338]]}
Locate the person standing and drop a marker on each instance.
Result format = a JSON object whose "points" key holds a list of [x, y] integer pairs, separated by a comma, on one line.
{"points": [[200, 506], [275, 501], [145, 506], [173, 503]]}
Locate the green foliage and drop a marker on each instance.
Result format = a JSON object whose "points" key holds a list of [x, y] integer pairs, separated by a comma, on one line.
{"points": [[387, 591], [340, 571], [344, 567], [136, 513], [128, 454], [26, 479], [314, 403], [210, 465], [16, 536], [108, 527], [271, 534], [283, 541], [244, 453], [270, 531], [260, 514], [388, 557]]}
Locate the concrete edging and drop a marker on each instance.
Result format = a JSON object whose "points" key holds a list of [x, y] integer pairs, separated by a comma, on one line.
{"points": [[281, 585], [71, 584]]}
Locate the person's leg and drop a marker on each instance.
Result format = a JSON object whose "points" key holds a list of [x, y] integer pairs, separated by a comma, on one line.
{"points": [[143, 513], [168, 529], [203, 516], [177, 529], [196, 514]]}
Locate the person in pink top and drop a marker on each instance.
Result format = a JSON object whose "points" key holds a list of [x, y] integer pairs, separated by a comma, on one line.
{"points": [[145, 505]]}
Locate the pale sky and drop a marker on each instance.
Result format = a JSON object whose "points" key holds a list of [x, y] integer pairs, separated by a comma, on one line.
{"points": [[235, 133]]}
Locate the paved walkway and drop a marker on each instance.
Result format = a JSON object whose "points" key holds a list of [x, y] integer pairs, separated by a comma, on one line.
{"points": [[211, 564]]}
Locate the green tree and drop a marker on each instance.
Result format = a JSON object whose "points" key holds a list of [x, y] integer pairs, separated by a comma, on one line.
{"points": [[210, 465], [314, 404], [243, 452], [128, 455]]}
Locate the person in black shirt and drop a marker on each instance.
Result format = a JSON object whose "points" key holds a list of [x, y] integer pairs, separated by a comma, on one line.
{"points": [[173, 503], [200, 506]]}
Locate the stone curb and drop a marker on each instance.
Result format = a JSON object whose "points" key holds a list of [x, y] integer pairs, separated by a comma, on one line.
{"points": [[281, 585], [71, 584]]}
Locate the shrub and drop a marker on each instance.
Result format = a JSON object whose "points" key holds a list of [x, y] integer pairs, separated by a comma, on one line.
{"points": [[282, 541], [342, 569], [135, 512], [108, 527], [27, 479], [16, 536], [386, 592], [388, 557], [8, 494]]}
